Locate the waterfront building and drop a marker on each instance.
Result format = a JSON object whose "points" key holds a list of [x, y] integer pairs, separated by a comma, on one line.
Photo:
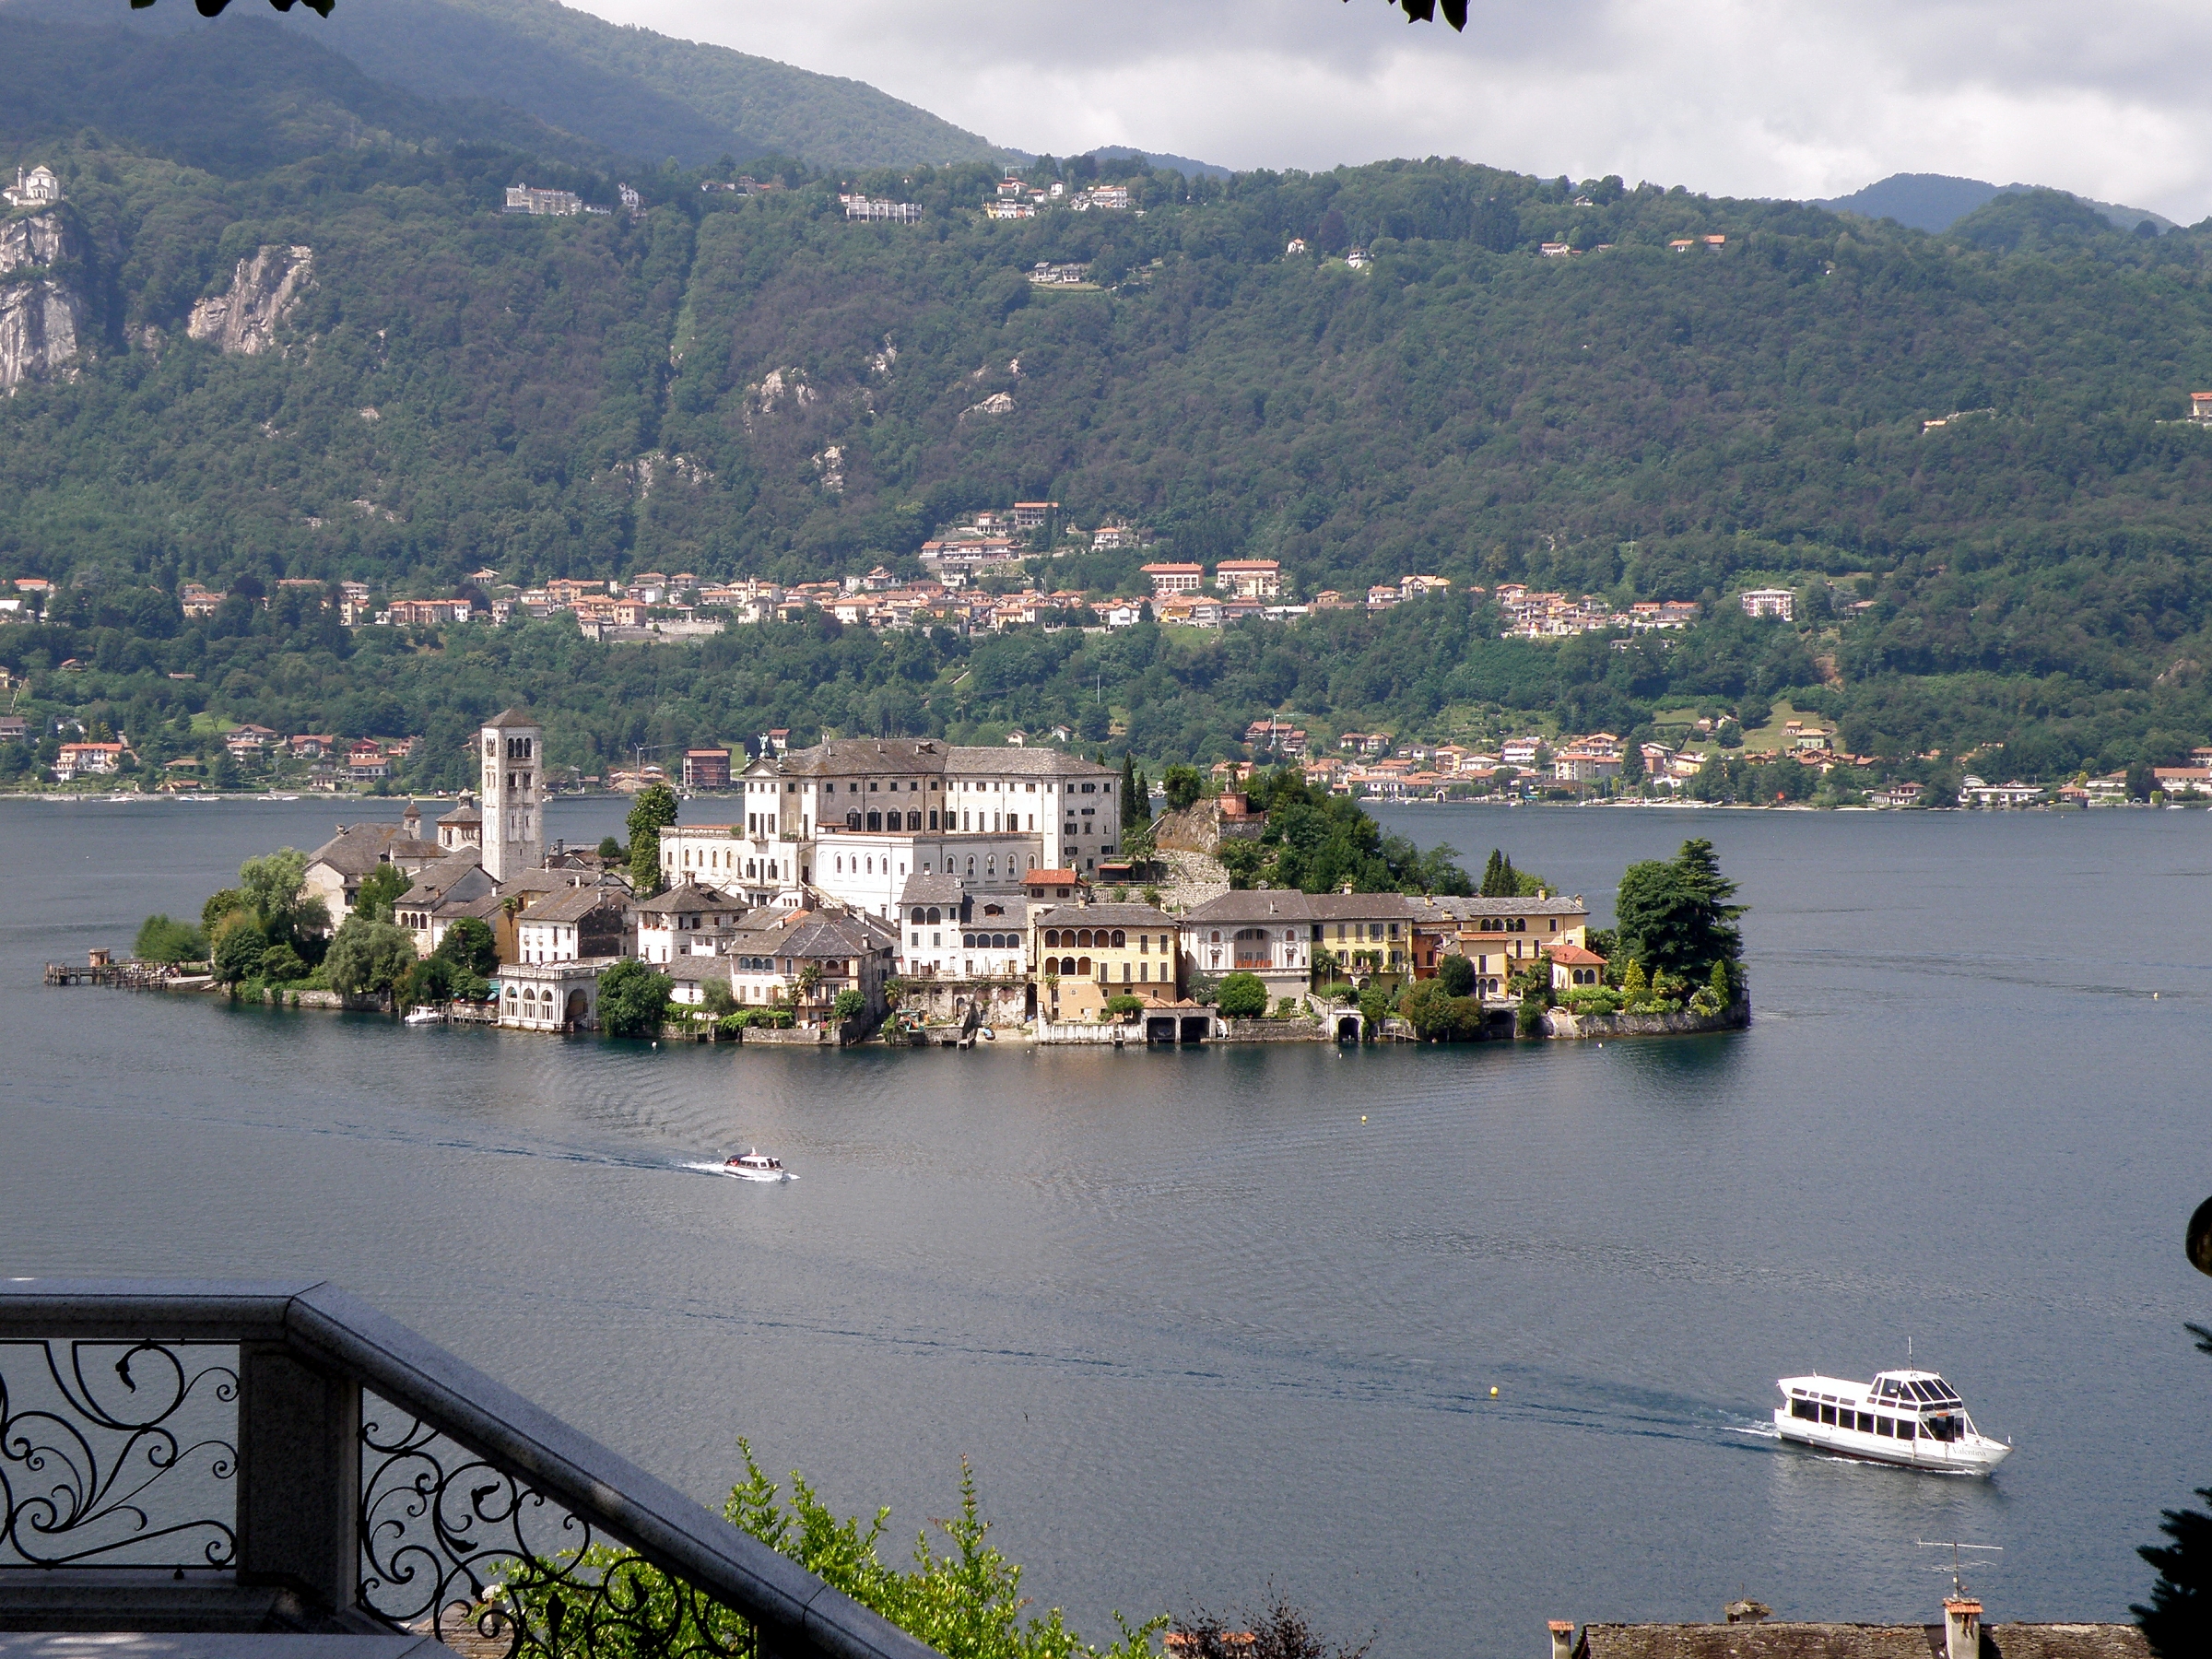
{"points": [[1500, 936], [855, 818], [1267, 933], [514, 800], [1088, 953], [1573, 968], [801, 959], [962, 946], [551, 996]]}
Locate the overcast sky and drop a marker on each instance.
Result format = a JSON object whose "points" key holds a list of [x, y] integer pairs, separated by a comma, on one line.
{"points": [[1784, 98]]}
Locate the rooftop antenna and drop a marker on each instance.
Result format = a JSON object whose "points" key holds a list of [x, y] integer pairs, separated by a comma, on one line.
{"points": [[1958, 1583]]}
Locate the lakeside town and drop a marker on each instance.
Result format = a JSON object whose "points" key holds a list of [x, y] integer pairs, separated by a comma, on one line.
{"points": [[933, 893]]}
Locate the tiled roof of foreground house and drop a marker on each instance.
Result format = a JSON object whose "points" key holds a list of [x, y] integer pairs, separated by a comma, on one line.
{"points": [[357, 849], [688, 896]]}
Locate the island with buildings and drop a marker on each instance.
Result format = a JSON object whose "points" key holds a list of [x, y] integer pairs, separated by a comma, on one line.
{"points": [[924, 891]]}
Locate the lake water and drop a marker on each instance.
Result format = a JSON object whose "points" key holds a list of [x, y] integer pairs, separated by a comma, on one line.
{"points": [[1210, 1319]]}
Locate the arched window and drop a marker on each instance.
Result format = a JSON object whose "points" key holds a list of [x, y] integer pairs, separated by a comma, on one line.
{"points": [[1083, 968], [1217, 939], [875, 821], [841, 865], [913, 821], [991, 864], [1032, 856], [970, 863], [967, 941], [852, 819], [1052, 938], [1083, 938], [1120, 940], [935, 915], [917, 914]]}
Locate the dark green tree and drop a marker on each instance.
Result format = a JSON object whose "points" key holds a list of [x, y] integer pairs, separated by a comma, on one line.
{"points": [[651, 812], [1675, 915], [2178, 1621], [1184, 784], [633, 998], [380, 891], [236, 952], [1456, 974], [1243, 996], [470, 945], [1498, 879], [1132, 805]]}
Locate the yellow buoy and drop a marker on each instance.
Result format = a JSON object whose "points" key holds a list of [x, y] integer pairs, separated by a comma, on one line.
{"points": [[1493, 1392], [1363, 1117]]}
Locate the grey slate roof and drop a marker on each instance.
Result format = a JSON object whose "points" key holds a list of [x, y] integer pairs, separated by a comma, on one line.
{"points": [[698, 968], [433, 881], [1474, 909], [572, 904], [688, 896], [881, 757], [1029, 763], [465, 812], [1258, 906], [513, 717], [357, 849]]}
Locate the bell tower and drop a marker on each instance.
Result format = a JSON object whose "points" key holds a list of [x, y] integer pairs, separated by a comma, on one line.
{"points": [[514, 794]]}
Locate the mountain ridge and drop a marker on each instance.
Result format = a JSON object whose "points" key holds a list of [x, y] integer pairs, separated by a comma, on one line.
{"points": [[1934, 202]]}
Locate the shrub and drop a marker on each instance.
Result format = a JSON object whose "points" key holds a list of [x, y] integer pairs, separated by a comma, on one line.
{"points": [[162, 940], [1287, 1007], [850, 1006], [1243, 996], [1593, 999], [966, 1603], [281, 962], [1124, 1007], [1456, 974], [468, 943]]}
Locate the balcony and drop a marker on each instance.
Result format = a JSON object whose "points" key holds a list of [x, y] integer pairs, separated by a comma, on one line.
{"points": [[284, 1461]]}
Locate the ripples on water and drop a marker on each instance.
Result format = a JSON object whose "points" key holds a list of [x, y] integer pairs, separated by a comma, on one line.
{"points": [[1200, 1327]]}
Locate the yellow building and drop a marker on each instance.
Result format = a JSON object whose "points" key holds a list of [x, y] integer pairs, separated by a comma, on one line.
{"points": [[1086, 953]]}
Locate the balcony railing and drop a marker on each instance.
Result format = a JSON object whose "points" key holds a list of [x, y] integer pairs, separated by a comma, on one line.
{"points": [[218, 1456]]}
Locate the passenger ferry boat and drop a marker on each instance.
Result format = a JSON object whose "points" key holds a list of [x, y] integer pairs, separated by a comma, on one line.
{"points": [[1913, 1417], [755, 1165]]}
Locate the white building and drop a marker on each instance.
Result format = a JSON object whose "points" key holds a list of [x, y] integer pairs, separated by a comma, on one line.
{"points": [[37, 188], [514, 795], [1769, 602]]}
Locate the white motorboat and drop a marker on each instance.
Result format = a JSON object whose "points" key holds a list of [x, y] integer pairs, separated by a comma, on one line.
{"points": [[757, 1165], [422, 1016], [1912, 1418]]}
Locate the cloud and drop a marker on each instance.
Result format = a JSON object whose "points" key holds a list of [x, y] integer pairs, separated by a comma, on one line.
{"points": [[1788, 98]]}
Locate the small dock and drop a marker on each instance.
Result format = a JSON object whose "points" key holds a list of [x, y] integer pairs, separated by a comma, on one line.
{"points": [[101, 968]]}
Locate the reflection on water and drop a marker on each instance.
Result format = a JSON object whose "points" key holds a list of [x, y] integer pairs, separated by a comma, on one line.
{"points": [[1200, 1326]]}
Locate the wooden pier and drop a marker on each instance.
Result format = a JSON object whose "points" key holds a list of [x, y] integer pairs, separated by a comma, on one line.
{"points": [[102, 969]]}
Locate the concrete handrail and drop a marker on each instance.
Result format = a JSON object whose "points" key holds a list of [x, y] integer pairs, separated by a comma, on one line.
{"points": [[326, 1327]]}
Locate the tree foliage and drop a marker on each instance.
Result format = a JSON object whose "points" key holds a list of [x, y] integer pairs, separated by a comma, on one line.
{"points": [[381, 890], [162, 940], [470, 946], [1675, 915], [1242, 995], [652, 811], [2177, 1622], [368, 959], [633, 998]]}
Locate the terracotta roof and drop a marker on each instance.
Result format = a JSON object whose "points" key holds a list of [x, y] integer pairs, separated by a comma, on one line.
{"points": [[1050, 878], [1768, 1640], [1574, 956]]}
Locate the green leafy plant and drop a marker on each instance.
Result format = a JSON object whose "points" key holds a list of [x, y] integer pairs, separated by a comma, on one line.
{"points": [[381, 890], [367, 957], [850, 1004], [1124, 1007], [632, 997], [1243, 996], [162, 940]]}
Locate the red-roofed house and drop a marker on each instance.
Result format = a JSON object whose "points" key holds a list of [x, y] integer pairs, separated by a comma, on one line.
{"points": [[1571, 966]]}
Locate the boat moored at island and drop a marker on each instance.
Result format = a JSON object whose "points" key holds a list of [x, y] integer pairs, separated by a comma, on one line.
{"points": [[1910, 1417], [757, 1165]]}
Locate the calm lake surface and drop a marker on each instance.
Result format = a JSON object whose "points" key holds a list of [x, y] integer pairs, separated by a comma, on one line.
{"points": [[1197, 1324]]}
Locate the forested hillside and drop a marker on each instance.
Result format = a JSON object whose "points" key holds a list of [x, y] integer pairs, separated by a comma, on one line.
{"points": [[592, 395]]}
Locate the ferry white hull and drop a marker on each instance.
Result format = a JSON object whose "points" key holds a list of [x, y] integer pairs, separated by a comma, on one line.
{"points": [[757, 1174], [1973, 1454]]}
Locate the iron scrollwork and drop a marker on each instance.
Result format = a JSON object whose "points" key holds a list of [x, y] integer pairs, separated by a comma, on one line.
{"points": [[136, 1471], [458, 1549]]}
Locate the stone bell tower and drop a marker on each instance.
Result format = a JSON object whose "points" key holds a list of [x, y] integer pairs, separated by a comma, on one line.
{"points": [[514, 794]]}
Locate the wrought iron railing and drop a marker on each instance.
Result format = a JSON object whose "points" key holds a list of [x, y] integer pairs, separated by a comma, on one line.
{"points": [[241, 1457]]}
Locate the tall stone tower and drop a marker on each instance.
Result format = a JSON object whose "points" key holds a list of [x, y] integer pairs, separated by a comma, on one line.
{"points": [[514, 795]]}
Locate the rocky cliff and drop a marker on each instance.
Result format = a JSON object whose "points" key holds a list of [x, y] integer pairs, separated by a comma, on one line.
{"points": [[43, 315], [263, 290]]}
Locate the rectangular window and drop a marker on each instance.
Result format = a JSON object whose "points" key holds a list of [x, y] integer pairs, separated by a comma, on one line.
{"points": [[1886, 1427], [1828, 1414], [1866, 1422], [1144, 941], [1804, 1409], [1143, 971], [1124, 974], [1904, 1429]]}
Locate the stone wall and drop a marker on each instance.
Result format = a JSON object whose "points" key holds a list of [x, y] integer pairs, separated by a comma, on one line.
{"points": [[1558, 1022], [1271, 1031]]}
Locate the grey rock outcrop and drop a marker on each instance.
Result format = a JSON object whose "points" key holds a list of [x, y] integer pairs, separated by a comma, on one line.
{"points": [[42, 316], [264, 291]]}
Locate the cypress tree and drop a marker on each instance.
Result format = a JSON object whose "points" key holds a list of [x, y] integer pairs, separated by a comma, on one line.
{"points": [[1493, 876], [1133, 812]]}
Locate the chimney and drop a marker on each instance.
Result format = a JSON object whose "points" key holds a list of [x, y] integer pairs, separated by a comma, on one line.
{"points": [[1562, 1639], [1962, 1629]]}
